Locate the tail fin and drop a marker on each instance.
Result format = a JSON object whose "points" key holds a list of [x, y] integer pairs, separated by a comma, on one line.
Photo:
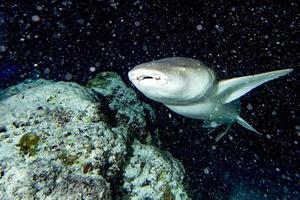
{"points": [[231, 89], [243, 123]]}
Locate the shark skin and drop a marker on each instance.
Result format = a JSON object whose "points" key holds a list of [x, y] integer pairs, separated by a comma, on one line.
{"points": [[190, 88]]}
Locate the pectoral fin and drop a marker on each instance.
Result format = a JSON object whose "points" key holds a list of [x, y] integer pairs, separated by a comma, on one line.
{"points": [[241, 122], [231, 89], [223, 132]]}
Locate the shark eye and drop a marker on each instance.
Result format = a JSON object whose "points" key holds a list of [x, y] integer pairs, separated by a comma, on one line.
{"points": [[156, 77]]}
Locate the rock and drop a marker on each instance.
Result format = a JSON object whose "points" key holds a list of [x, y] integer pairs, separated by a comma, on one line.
{"points": [[70, 131], [45, 180], [123, 100], [66, 141], [152, 174], [27, 84]]}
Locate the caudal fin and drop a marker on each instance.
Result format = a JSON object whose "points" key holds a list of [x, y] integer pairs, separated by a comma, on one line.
{"points": [[234, 88], [243, 123]]}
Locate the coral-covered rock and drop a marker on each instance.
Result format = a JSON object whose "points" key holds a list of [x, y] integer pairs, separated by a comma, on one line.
{"points": [[124, 102], [60, 140], [152, 174], [58, 125]]}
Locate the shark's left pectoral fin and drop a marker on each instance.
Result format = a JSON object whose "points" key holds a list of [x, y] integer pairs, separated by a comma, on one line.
{"points": [[223, 132], [231, 89]]}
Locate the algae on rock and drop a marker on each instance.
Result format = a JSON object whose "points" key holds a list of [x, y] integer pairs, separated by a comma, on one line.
{"points": [[28, 143]]}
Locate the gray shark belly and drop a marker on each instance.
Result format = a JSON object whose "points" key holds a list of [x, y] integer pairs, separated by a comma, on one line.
{"points": [[208, 110]]}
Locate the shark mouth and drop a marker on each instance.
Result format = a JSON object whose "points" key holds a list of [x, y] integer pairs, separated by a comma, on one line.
{"points": [[143, 77], [140, 78], [155, 78]]}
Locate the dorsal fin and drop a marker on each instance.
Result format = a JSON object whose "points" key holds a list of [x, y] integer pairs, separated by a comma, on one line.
{"points": [[234, 88]]}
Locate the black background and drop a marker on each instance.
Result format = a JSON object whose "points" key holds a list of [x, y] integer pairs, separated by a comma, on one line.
{"points": [[236, 38]]}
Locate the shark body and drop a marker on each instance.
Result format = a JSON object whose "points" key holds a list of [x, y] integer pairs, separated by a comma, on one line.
{"points": [[190, 88]]}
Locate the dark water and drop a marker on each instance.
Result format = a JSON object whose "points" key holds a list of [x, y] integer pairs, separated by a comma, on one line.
{"points": [[67, 40]]}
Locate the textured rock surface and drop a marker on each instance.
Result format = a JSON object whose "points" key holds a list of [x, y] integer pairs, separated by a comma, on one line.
{"points": [[60, 140], [71, 132], [152, 173], [124, 102], [22, 87]]}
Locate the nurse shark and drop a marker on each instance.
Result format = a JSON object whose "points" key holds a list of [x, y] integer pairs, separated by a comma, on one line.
{"points": [[190, 88]]}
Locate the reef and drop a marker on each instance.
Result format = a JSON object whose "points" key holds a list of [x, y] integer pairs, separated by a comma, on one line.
{"points": [[61, 140]]}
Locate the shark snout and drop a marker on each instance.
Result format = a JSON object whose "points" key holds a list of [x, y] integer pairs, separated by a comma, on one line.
{"points": [[132, 76]]}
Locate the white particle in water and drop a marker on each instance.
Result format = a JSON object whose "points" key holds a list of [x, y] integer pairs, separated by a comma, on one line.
{"points": [[213, 124], [199, 27], [2, 48], [219, 28], [206, 170], [80, 21], [39, 8], [249, 106], [137, 23], [92, 69], [68, 76], [35, 18]]}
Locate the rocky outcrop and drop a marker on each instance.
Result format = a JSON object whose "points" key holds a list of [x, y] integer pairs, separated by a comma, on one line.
{"points": [[60, 140], [152, 173], [124, 106]]}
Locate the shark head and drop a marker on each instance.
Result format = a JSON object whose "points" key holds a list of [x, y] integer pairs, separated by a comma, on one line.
{"points": [[173, 80]]}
